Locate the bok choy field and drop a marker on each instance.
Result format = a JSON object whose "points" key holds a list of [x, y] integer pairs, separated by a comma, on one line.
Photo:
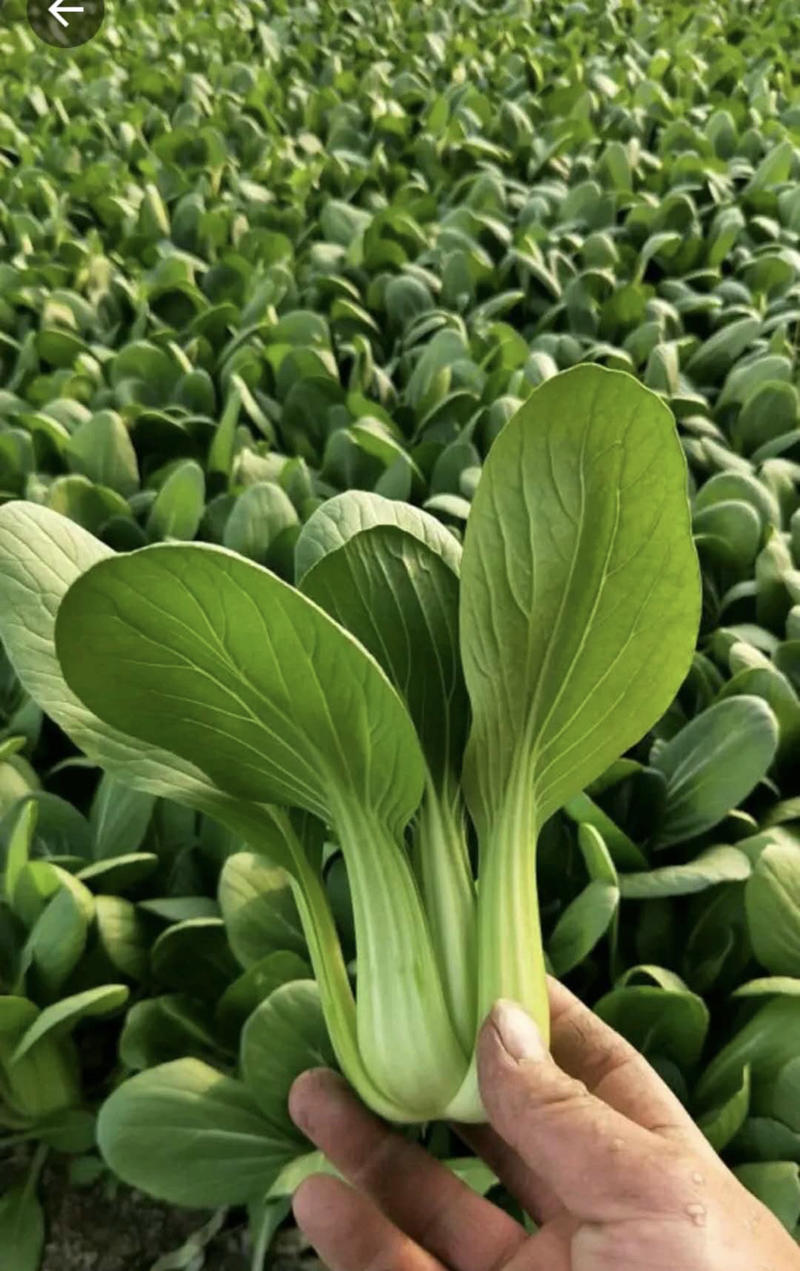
{"points": [[399, 587]]}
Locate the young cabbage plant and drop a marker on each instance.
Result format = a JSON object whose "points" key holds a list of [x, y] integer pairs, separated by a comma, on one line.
{"points": [[417, 699]]}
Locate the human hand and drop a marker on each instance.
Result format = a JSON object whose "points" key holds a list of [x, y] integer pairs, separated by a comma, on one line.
{"points": [[591, 1142]]}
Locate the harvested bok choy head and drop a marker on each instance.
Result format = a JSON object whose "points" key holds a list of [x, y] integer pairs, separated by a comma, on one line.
{"points": [[406, 694]]}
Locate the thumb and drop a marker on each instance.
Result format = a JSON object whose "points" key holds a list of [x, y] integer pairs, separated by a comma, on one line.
{"points": [[601, 1166]]}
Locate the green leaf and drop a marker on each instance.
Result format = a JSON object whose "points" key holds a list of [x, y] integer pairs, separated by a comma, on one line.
{"points": [[782, 1101], [777, 1185], [709, 869], [119, 818], [19, 846], [194, 957], [62, 1016], [215, 1147], [258, 516], [21, 1228], [772, 901], [768, 985], [123, 936], [337, 520], [58, 938], [119, 873], [283, 1037], [289, 709], [242, 997], [41, 554], [668, 1022], [160, 1029], [713, 764], [90, 505], [584, 921], [179, 504], [399, 598], [719, 352], [258, 909], [101, 449], [624, 852], [563, 674], [725, 1121], [768, 1041], [191, 1254]]}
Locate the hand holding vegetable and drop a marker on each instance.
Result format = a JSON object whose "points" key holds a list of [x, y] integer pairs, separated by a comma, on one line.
{"points": [[591, 1142]]}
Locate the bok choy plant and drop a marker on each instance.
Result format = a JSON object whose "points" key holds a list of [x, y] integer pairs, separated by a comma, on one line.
{"points": [[432, 707]]}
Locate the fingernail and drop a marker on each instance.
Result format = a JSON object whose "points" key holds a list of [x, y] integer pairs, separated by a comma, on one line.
{"points": [[517, 1031]]}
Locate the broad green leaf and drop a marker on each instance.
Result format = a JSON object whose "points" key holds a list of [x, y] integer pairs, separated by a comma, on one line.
{"points": [[171, 1026], [713, 763], [45, 1080], [725, 1121], [582, 924], [194, 957], [258, 909], [719, 352], [769, 1040], [283, 1037], [123, 936], [769, 985], [668, 1022], [338, 519], [767, 682], [119, 818], [179, 504], [21, 1228], [277, 702], [41, 555], [117, 874], [258, 516], [219, 1149], [777, 1185], [62, 1016], [765, 1139], [399, 598], [782, 1101], [58, 938], [578, 610], [101, 449], [242, 997], [624, 852], [19, 846], [90, 505], [708, 869], [772, 900]]}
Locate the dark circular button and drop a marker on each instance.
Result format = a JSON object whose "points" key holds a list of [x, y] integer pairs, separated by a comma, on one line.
{"points": [[66, 23]]}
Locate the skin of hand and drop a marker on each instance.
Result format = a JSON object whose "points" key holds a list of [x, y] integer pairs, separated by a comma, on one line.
{"points": [[588, 1138]]}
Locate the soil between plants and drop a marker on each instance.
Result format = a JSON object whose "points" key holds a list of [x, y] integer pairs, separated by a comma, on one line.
{"points": [[108, 1227]]}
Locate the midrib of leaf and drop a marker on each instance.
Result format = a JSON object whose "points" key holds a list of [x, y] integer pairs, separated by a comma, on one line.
{"points": [[532, 736]]}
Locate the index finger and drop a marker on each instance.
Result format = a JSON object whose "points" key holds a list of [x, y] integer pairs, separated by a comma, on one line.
{"points": [[612, 1069], [589, 1050]]}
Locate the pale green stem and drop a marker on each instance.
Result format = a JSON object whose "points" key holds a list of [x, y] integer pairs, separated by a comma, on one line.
{"points": [[510, 954], [336, 996], [448, 893], [406, 1037]]}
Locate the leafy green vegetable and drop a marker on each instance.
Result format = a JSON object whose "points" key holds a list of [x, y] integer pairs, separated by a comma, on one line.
{"points": [[278, 703], [288, 310]]}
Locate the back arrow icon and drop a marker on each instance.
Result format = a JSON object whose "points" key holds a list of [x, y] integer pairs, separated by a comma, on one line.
{"points": [[58, 7]]}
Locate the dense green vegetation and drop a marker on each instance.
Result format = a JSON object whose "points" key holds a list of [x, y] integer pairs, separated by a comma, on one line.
{"points": [[254, 258]]}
